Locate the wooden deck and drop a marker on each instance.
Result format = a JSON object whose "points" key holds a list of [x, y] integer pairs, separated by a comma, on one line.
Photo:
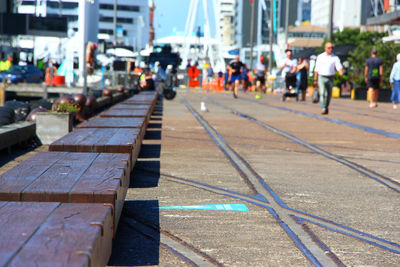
{"points": [[55, 234], [69, 178]]}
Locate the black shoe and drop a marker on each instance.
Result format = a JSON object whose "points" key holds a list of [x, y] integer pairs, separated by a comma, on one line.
{"points": [[324, 111], [235, 95]]}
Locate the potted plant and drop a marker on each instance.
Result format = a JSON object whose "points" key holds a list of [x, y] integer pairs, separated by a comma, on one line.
{"points": [[56, 123]]}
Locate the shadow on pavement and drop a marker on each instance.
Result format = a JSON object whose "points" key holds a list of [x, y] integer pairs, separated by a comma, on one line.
{"points": [[137, 240]]}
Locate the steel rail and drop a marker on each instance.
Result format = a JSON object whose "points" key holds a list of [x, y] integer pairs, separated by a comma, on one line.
{"points": [[300, 216], [382, 179], [313, 252]]}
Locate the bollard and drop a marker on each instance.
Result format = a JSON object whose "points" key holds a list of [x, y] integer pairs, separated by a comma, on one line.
{"points": [[3, 93]]}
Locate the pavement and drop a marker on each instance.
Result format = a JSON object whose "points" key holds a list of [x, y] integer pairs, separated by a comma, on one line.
{"points": [[260, 182]]}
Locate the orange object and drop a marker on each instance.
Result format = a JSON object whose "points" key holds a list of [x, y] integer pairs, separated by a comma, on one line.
{"points": [[193, 72], [57, 79], [205, 84], [310, 91], [220, 84], [194, 83]]}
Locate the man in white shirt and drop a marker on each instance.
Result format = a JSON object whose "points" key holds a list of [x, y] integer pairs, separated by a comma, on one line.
{"points": [[325, 68], [288, 68]]}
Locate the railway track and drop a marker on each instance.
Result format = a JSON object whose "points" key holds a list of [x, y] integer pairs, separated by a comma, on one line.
{"points": [[291, 220]]}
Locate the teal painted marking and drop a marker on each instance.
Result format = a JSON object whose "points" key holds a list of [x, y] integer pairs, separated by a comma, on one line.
{"points": [[231, 207]]}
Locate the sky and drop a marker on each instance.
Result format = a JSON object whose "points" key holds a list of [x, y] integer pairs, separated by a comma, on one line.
{"points": [[171, 15]]}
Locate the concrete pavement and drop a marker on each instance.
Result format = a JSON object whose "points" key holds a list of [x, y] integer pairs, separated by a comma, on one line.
{"points": [[321, 190]]}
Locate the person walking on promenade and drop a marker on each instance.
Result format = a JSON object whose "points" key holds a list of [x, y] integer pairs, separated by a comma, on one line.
{"points": [[236, 67], [395, 82], [260, 71], [210, 72], [373, 76], [325, 68], [302, 69], [288, 68]]}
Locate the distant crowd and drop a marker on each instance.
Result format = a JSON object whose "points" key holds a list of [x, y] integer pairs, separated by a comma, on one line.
{"points": [[295, 73]]}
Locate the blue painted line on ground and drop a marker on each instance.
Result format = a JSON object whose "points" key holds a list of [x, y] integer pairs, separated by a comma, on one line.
{"points": [[220, 207], [260, 197], [351, 235], [295, 238], [350, 124]]}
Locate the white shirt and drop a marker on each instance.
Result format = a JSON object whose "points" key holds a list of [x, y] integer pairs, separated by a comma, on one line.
{"points": [[289, 64], [327, 65]]}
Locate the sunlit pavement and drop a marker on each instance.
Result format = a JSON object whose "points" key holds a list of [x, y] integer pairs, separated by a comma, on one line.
{"points": [[312, 189]]}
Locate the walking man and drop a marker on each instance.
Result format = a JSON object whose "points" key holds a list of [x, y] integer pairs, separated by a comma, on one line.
{"points": [[373, 76], [236, 67], [325, 68], [260, 71], [288, 68]]}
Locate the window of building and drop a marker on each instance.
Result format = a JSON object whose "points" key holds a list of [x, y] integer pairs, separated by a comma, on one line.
{"points": [[110, 32], [120, 7], [63, 5], [119, 20]]}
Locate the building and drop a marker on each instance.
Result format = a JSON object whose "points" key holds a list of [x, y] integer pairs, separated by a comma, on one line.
{"points": [[305, 36], [132, 18], [345, 13], [226, 18], [303, 11], [384, 12], [261, 25]]}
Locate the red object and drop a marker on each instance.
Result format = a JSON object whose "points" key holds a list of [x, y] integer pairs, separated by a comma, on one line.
{"points": [[261, 58], [57, 79], [194, 83], [386, 5], [251, 1], [193, 72]]}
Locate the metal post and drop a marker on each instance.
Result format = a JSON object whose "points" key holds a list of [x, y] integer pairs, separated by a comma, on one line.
{"points": [[271, 33], [330, 19], [3, 93], [85, 89], [286, 21], [115, 21], [252, 33], [83, 22]]}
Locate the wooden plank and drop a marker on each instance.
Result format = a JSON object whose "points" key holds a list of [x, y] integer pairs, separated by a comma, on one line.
{"points": [[114, 123], [54, 234], [96, 178], [106, 140], [131, 106], [18, 222], [125, 113]]}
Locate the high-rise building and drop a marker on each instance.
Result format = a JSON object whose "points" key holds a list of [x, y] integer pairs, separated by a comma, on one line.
{"points": [[303, 11], [385, 12], [225, 24], [345, 13], [132, 18]]}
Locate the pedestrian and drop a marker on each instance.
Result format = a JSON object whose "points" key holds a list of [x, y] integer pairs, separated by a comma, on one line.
{"points": [[8, 63], [395, 82], [236, 67], [288, 68], [325, 68], [227, 83], [260, 71], [302, 70], [210, 72], [373, 76], [245, 78]]}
